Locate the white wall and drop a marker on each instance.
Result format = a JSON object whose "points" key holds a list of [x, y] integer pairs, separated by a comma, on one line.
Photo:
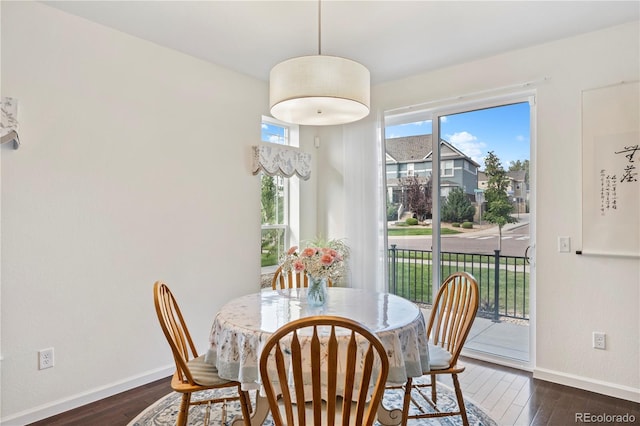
{"points": [[134, 167], [123, 179], [575, 295]]}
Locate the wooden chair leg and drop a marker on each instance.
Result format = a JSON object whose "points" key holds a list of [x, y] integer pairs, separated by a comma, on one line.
{"points": [[406, 401], [434, 394], [463, 410], [183, 412], [245, 406]]}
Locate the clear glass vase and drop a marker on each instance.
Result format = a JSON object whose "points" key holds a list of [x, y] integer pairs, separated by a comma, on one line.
{"points": [[317, 291]]}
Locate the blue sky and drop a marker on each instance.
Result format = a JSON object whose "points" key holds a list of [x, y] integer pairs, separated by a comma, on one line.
{"points": [[503, 130], [272, 133]]}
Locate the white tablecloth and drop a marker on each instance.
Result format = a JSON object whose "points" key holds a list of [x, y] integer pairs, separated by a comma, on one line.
{"points": [[243, 325]]}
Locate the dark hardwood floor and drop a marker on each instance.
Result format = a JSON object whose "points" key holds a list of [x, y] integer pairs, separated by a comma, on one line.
{"points": [[117, 410], [509, 396]]}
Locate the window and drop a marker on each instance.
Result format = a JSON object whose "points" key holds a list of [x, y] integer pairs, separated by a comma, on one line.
{"points": [[447, 168], [275, 197], [470, 167]]}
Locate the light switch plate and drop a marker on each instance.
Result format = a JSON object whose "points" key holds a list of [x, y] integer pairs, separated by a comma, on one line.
{"points": [[564, 244]]}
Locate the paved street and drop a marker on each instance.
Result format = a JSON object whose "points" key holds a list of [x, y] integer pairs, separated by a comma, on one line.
{"points": [[515, 240]]}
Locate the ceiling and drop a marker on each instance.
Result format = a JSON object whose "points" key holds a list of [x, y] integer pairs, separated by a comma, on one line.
{"points": [[394, 39]]}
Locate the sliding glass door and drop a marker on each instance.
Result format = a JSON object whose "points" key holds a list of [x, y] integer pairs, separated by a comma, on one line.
{"points": [[459, 197]]}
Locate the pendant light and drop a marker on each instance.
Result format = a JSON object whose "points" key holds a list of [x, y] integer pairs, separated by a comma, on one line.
{"points": [[319, 90]]}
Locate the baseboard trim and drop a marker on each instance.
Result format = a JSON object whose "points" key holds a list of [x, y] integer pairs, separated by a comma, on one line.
{"points": [[60, 406], [606, 388]]}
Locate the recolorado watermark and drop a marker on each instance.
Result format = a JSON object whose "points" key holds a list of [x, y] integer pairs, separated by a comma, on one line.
{"points": [[604, 418]]}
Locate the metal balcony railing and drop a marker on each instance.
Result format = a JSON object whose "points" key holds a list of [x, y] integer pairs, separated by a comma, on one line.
{"points": [[503, 280]]}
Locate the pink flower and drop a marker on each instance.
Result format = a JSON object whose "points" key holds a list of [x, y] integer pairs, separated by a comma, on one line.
{"points": [[298, 266], [326, 259], [309, 251], [318, 261]]}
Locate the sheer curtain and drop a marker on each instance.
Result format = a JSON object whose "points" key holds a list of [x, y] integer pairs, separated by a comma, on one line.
{"points": [[364, 203]]}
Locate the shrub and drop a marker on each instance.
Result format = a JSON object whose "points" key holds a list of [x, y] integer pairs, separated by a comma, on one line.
{"points": [[467, 225], [412, 221], [392, 211], [455, 225], [457, 207]]}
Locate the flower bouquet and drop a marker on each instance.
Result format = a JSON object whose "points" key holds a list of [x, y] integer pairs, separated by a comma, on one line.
{"points": [[320, 262]]}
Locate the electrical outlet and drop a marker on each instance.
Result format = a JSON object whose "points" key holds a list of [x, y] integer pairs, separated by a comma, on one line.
{"points": [[564, 244], [599, 340], [45, 358]]}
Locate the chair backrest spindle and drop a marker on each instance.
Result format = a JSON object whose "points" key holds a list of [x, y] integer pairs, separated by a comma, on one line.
{"points": [[315, 354], [453, 312], [175, 330], [290, 279]]}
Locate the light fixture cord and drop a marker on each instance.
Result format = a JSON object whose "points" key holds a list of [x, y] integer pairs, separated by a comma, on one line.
{"points": [[319, 28]]}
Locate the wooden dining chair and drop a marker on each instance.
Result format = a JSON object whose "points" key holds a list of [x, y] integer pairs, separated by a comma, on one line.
{"points": [[324, 358], [291, 279], [192, 373], [452, 315]]}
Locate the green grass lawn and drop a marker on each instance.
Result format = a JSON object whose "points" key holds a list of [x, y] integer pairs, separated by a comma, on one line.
{"points": [[417, 230], [414, 283]]}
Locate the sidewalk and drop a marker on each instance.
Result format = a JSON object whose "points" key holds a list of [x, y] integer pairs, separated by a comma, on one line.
{"points": [[493, 229], [484, 229]]}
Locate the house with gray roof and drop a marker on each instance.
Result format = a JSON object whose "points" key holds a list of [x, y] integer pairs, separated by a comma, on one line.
{"points": [[517, 188], [410, 156]]}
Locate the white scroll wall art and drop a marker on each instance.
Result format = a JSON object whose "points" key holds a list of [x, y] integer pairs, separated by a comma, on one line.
{"points": [[611, 170], [281, 160], [9, 121]]}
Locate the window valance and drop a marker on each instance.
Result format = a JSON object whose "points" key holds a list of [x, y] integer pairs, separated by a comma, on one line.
{"points": [[281, 160]]}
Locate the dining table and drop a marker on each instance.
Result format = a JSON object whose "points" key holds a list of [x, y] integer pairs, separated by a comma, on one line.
{"points": [[243, 325]]}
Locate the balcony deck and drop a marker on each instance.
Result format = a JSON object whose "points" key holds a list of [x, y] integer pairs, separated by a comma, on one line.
{"points": [[505, 342]]}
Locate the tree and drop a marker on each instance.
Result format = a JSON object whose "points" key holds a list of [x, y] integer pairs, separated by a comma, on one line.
{"points": [[457, 207], [498, 205], [418, 196], [268, 199], [271, 209]]}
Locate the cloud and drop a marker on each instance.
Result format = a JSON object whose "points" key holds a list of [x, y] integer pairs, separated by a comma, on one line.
{"points": [[468, 144], [520, 138], [443, 119]]}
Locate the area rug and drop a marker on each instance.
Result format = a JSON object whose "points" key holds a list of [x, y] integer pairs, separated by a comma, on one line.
{"points": [[164, 411]]}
